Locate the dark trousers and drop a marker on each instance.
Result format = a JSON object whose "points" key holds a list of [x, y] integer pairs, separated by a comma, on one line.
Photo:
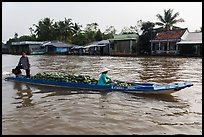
{"points": [[27, 71]]}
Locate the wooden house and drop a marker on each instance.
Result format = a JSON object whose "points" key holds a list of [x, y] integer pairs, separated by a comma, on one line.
{"points": [[191, 45], [30, 47], [57, 47], [124, 45], [77, 50], [5, 49], [165, 43], [97, 48]]}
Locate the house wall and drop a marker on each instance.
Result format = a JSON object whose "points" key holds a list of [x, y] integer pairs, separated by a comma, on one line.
{"points": [[34, 49], [29, 49], [18, 49], [190, 49], [50, 49], [123, 47], [106, 50], [184, 35], [61, 50], [164, 48], [5, 49]]}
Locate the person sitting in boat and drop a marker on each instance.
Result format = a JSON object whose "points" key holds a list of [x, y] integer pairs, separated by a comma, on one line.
{"points": [[104, 79], [24, 64]]}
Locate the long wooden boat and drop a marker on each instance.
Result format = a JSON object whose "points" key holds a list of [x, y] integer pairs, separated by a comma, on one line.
{"points": [[145, 88]]}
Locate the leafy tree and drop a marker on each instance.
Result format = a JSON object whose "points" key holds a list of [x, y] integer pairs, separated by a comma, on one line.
{"points": [[63, 30], [90, 32], [168, 20], [146, 36], [99, 35], [129, 30], [32, 32], [44, 29], [77, 35], [76, 29], [57, 32], [125, 30], [80, 39], [16, 35], [69, 30], [92, 27], [109, 32], [26, 38]]}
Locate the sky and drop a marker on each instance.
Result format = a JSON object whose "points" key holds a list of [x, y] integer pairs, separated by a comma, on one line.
{"points": [[18, 17]]}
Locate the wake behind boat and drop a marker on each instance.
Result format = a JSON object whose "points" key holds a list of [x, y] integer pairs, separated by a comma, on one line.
{"points": [[87, 83]]}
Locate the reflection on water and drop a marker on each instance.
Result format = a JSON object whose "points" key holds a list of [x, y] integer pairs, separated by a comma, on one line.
{"points": [[24, 95], [161, 70], [49, 110], [159, 97]]}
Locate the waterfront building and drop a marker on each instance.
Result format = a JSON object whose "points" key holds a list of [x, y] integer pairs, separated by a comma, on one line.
{"points": [[57, 47], [191, 45], [124, 45], [30, 47], [178, 42]]}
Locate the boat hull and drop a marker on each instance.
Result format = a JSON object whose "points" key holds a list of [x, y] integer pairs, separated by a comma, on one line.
{"points": [[144, 88]]}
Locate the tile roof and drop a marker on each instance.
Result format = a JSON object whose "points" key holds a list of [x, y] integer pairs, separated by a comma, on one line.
{"points": [[171, 34]]}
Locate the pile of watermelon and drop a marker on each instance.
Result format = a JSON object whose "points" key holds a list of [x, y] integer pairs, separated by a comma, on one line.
{"points": [[64, 77]]}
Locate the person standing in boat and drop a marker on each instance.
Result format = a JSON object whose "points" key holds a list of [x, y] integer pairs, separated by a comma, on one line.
{"points": [[24, 64], [104, 79]]}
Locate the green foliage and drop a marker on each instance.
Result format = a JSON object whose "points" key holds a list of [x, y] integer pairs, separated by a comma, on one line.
{"points": [[146, 36], [168, 20], [80, 39], [98, 35], [70, 32], [26, 38], [44, 29], [130, 30]]}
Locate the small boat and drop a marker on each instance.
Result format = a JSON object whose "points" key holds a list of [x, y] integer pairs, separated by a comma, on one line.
{"points": [[144, 88]]}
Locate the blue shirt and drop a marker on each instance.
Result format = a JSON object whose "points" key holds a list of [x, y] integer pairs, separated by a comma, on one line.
{"points": [[103, 80]]}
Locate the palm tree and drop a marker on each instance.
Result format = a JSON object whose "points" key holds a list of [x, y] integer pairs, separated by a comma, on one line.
{"points": [[169, 19], [68, 29], [76, 29], [44, 29]]}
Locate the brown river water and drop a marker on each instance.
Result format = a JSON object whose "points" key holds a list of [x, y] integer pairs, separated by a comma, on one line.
{"points": [[35, 110]]}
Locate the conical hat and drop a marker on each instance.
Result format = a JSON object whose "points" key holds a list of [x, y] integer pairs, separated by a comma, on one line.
{"points": [[104, 70]]}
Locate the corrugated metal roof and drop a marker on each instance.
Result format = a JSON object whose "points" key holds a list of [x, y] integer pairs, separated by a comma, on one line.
{"points": [[102, 43], [125, 37], [58, 44], [89, 46], [192, 38], [189, 42], [77, 47], [28, 43]]}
